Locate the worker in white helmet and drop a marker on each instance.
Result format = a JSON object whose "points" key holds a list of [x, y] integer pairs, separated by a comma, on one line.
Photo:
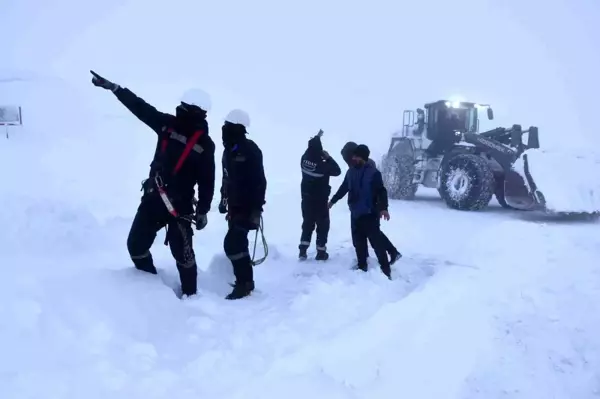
{"points": [[242, 197], [184, 157]]}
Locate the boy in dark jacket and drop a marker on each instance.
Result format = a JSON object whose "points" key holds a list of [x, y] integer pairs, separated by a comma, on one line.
{"points": [[347, 152], [184, 157], [317, 167], [242, 197], [368, 202]]}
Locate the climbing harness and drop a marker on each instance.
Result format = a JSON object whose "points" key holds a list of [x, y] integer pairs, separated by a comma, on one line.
{"points": [[260, 230]]}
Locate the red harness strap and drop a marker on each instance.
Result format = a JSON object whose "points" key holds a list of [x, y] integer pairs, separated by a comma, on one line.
{"points": [[186, 152]]}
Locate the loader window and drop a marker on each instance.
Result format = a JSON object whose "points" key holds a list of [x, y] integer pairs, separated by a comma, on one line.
{"points": [[462, 119], [472, 120]]}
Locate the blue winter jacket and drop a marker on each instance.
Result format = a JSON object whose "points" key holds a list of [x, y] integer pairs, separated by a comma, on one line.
{"points": [[366, 193]]}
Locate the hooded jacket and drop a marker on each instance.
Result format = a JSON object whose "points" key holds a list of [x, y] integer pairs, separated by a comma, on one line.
{"points": [[347, 151], [366, 193], [316, 171]]}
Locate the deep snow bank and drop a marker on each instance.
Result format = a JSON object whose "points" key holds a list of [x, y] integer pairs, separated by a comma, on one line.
{"points": [[67, 150], [569, 181], [52, 108]]}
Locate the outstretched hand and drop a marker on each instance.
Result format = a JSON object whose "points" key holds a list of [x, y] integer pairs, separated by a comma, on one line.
{"points": [[99, 81]]}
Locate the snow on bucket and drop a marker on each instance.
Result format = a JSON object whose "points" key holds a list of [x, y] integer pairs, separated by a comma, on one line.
{"points": [[568, 183]]}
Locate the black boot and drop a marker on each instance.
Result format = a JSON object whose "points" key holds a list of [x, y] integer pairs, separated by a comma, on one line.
{"points": [[386, 269], [145, 264], [322, 255], [364, 268], [394, 256], [188, 276], [241, 290], [302, 252]]}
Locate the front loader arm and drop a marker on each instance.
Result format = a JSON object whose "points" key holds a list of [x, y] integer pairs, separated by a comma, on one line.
{"points": [[504, 155]]}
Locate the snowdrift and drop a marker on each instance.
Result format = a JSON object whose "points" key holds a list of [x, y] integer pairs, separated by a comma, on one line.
{"points": [[568, 181], [68, 151]]}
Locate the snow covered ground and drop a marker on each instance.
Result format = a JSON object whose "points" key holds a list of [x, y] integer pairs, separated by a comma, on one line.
{"points": [[489, 304]]}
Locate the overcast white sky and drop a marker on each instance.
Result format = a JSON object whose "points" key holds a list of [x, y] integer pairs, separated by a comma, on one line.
{"points": [[346, 66]]}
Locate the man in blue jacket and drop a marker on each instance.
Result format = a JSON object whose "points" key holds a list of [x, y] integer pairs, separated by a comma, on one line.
{"points": [[347, 154], [368, 202]]}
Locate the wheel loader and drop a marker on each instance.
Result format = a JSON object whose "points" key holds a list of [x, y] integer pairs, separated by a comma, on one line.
{"points": [[441, 147]]}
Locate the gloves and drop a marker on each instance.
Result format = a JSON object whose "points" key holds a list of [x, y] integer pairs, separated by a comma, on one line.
{"points": [[99, 81], [223, 206], [201, 221]]}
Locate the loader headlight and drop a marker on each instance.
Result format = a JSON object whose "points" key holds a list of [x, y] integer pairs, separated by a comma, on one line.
{"points": [[453, 104]]}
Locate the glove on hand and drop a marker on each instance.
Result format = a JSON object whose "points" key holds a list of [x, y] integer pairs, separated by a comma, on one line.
{"points": [[99, 81], [201, 221]]}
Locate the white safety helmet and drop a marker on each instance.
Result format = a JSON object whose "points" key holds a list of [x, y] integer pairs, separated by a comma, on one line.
{"points": [[197, 97], [238, 117]]}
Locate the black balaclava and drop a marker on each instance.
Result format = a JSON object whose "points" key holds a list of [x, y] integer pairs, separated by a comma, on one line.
{"points": [[233, 133], [362, 152], [189, 115], [348, 151]]}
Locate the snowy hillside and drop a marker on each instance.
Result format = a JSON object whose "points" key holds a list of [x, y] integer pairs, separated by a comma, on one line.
{"points": [[483, 305]]}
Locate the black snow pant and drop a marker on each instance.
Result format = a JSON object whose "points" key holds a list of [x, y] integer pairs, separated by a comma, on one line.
{"points": [[315, 213], [366, 228], [389, 247], [236, 248], [151, 216]]}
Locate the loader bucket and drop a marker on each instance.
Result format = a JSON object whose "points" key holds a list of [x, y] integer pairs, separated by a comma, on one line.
{"points": [[554, 182], [520, 191]]}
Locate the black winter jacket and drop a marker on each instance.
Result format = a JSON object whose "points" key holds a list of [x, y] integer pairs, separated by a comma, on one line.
{"points": [[198, 168], [316, 171], [244, 183]]}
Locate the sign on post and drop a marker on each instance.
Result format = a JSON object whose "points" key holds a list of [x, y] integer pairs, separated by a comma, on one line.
{"points": [[10, 115]]}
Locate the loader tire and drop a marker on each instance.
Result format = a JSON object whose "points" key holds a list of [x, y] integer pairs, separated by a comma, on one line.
{"points": [[466, 182], [398, 172]]}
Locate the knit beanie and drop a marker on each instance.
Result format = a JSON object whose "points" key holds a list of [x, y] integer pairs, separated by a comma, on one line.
{"points": [[362, 151]]}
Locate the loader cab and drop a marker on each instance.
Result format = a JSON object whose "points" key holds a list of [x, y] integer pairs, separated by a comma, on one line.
{"points": [[442, 124], [444, 119]]}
